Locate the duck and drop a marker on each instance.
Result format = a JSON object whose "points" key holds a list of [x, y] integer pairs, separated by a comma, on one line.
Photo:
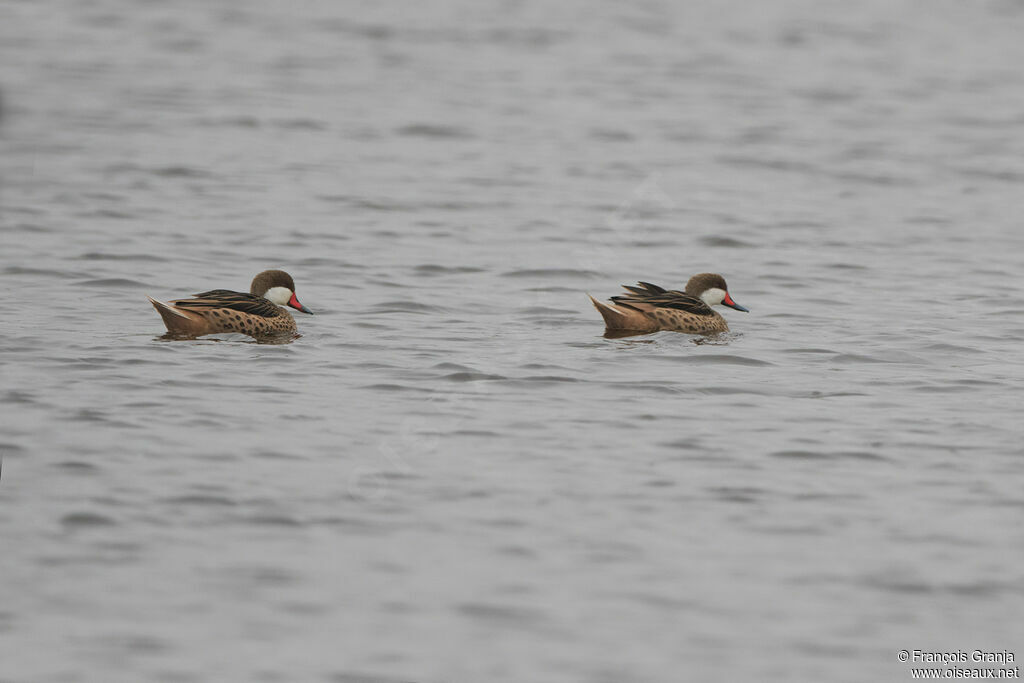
{"points": [[650, 308], [256, 314]]}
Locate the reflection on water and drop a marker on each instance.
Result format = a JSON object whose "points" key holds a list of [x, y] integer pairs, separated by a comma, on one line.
{"points": [[286, 338], [620, 334]]}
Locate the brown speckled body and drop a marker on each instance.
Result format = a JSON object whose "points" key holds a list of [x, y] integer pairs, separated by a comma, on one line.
{"points": [[196, 323], [223, 310], [648, 308], [654, 319]]}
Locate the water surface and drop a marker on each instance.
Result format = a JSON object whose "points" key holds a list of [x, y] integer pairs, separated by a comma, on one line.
{"points": [[452, 475]]}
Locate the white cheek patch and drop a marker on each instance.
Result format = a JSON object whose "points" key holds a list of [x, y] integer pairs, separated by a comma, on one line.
{"points": [[279, 295], [713, 296]]}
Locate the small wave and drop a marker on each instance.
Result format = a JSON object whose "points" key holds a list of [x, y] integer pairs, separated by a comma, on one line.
{"points": [[648, 387], [548, 379], [405, 307], [43, 272], [75, 466], [201, 499], [874, 179], [471, 376], [554, 290], [476, 432], [505, 614], [825, 455], [942, 346], [373, 205], [396, 387], [180, 172], [301, 124], [436, 269], [720, 241], [737, 494], [99, 256], [230, 122], [546, 311], [810, 350], [735, 391], [439, 131], [86, 519], [112, 282], [686, 444], [846, 266], [551, 272], [107, 213], [1004, 175], [272, 520], [31, 228], [365, 30], [16, 396], [350, 677], [611, 135], [770, 164], [333, 263], [718, 359], [897, 584], [892, 357], [950, 387]]}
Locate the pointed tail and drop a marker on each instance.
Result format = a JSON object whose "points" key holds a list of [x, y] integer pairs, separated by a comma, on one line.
{"points": [[613, 318], [624, 319], [176, 321]]}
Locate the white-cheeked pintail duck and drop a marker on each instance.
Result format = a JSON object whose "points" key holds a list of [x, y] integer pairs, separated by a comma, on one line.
{"points": [[258, 313], [649, 308]]}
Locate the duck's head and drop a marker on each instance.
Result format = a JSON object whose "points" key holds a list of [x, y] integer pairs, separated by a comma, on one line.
{"points": [[712, 290], [277, 286]]}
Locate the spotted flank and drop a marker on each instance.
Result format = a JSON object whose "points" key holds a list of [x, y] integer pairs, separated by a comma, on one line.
{"points": [[649, 308], [258, 313]]}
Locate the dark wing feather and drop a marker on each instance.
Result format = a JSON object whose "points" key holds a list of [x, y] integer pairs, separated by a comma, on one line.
{"points": [[653, 289], [653, 295], [645, 289], [237, 301]]}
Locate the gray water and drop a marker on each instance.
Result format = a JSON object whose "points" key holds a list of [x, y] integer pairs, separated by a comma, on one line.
{"points": [[452, 476]]}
